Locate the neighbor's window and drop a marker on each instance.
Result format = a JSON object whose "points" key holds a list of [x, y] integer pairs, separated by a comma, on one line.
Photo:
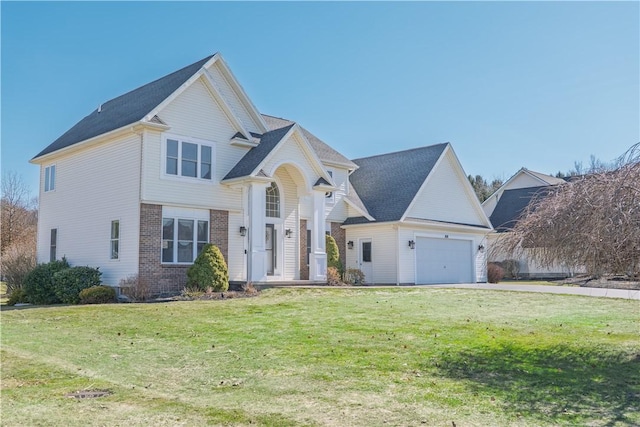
{"points": [[183, 239], [273, 201], [115, 239], [53, 244], [188, 158], [50, 178]]}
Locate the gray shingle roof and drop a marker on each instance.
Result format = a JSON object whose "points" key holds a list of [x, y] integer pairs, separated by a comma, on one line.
{"points": [[125, 109], [389, 182], [250, 161], [511, 204], [324, 151]]}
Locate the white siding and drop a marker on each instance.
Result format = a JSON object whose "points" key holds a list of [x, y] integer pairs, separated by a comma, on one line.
{"points": [[232, 99], [383, 251], [94, 187], [445, 197], [236, 261], [524, 180], [195, 114], [336, 210], [290, 216]]}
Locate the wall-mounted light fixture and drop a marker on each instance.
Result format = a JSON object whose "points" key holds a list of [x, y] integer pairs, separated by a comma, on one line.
{"points": [[243, 230], [350, 244], [412, 244], [481, 248], [288, 232]]}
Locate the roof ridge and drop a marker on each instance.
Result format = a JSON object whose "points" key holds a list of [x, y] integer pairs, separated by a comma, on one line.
{"points": [[203, 60], [401, 151]]}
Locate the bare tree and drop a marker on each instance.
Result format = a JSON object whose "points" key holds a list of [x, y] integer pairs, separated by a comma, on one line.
{"points": [[591, 222], [18, 213], [18, 223]]}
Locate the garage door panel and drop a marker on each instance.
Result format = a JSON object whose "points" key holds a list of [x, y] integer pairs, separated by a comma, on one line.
{"points": [[443, 261]]}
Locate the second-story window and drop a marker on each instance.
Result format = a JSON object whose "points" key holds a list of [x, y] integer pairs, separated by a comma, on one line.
{"points": [[50, 178], [272, 201], [188, 158]]}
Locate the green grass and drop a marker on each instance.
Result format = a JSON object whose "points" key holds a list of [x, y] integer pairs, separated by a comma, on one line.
{"points": [[328, 357]]}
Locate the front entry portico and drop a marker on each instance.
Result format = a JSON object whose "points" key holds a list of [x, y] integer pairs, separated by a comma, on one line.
{"points": [[275, 205]]}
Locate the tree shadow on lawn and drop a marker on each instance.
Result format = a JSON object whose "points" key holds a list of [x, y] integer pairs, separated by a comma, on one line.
{"points": [[561, 384]]}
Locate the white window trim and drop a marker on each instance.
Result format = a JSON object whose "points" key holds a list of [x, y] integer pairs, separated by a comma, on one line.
{"points": [[57, 245], [47, 178], [331, 198], [179, 177], [175, 219], [111, 239]]}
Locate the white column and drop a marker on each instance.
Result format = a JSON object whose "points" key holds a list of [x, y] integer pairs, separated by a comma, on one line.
{"points": [[257, 254], [318, 256]]}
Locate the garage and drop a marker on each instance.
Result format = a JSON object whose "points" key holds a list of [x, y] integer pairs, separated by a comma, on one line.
{"points": [[443, 260]]}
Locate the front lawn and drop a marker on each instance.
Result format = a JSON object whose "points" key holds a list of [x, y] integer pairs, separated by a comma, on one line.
{"points": [[341, 357]]}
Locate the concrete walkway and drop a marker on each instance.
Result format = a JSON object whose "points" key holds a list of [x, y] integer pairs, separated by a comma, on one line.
{"points": [[567, 290]]}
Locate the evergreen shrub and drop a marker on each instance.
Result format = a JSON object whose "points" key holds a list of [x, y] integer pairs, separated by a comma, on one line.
{"points": [[209, 271]]}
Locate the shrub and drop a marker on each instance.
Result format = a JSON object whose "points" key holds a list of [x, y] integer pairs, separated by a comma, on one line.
{"points": [[68, 283], [17, 296], [333, 277], [17, 263], [209, 271], [97, 295], [333, 253], [495, 273], [354, 276], [135, 288], [38, 285], [511, 268]]}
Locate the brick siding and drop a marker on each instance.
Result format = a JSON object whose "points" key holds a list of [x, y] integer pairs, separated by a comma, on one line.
{"points": [[170, 279]]}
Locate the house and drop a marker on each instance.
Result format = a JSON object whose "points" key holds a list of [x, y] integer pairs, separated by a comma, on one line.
{"points": [[143, 182], [504, 208]]}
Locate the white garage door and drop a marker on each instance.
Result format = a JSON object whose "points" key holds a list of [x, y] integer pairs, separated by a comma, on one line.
{"points": [[443, 261]]}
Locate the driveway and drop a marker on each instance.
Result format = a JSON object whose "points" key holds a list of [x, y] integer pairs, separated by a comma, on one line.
{"points": [[567, 290]]}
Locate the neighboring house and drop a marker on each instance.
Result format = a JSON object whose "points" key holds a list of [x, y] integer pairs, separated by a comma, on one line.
{"points": [[144, 181], [505, 207]]}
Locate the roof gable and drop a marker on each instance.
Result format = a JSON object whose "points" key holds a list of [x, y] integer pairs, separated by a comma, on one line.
{"points": [[322, 149], [388, 183], [255, 156], [125, 109], [447, 196]]}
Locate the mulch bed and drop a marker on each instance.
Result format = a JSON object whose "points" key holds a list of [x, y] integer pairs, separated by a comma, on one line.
{"points": [[612, 282]]}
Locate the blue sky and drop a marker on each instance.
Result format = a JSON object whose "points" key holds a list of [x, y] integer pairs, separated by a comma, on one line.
{"points": [[537, 84]]}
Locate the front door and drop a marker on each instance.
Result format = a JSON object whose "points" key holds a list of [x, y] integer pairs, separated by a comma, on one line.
{"points": [[270, 247], [365, 260]]}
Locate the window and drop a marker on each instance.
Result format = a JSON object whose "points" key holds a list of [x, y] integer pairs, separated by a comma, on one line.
{"points": [[188, 158], [366, 251], [50, 178], [115, 239], [273, 201], [53, 244], [183, 239], [329, 194]]}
